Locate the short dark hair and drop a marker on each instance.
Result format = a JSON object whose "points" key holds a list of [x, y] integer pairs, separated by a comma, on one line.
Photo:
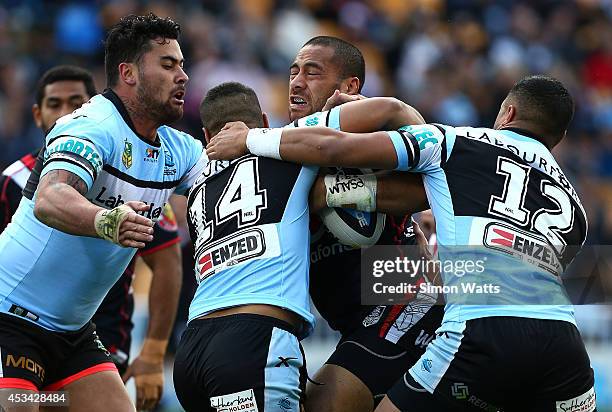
{"points": [[544, 101], [131, 37], [230, 102], [66, 72], [346, 56]]}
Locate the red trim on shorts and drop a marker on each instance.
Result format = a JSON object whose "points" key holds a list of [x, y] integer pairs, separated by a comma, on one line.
{"points": [[17, 383], [106, 366], [159, 247]]}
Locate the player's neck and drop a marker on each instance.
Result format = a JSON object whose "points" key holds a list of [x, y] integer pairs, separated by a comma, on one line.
{"points": [[527, 129], [143, 124]]}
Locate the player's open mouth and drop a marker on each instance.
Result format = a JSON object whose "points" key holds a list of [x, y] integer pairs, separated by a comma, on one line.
{"points": [[179, 97], [297, 103]]}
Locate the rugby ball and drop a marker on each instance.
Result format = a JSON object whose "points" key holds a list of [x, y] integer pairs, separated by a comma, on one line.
{"points": [[354, 227]]}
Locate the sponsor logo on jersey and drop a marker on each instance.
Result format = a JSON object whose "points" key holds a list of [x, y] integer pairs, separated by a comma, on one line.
{"points": [[582, 403], [126, 157], [526, 246], [80, 147], [151, 155], [425, 135], [325, 251], [232, 250], [111, 202], [243, 401]]}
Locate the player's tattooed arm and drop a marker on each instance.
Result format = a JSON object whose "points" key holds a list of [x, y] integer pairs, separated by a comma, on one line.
{"points": [[60, 203]]}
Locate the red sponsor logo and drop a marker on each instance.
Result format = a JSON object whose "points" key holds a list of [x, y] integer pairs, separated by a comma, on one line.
{"points": [[523, 245]]}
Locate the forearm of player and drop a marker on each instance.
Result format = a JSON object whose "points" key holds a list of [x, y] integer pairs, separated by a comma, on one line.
{"points": [[60, 203], [164, 294], [377, 113], [400, 193], [316, 200], [326, 147]]}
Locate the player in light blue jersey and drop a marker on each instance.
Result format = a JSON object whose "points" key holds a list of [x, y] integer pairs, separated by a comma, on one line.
{"points": [[501, 190], [103, 178], [249, 223]]}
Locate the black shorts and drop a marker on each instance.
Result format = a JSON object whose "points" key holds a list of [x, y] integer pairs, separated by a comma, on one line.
{"points": [[505, 364], [389, 341], [34, 358], [245, 362]]}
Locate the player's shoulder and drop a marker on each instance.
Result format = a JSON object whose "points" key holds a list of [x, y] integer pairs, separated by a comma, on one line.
{"points": [[94, 118], [178, 139]]}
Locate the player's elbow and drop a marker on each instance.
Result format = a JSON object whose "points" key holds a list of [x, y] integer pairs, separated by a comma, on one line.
{"points": [[401, 114], [41, 207]]}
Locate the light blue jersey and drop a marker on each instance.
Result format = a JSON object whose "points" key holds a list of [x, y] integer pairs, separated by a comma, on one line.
{"points": [[57, 280], [498, 197], [248, 220]]}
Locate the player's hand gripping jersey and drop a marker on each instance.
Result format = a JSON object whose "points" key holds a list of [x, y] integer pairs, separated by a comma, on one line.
{"points": [[58, 280], [486, 188]]}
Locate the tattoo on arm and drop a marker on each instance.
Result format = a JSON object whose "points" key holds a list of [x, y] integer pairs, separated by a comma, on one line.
{"points": [[65, 177]]}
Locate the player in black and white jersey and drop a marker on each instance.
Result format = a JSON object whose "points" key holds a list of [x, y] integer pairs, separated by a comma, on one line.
{"points": [[60, 91], [377, 343], [516, 347]]}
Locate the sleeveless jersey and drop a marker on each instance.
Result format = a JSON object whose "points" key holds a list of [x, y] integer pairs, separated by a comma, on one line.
{"points": [[58, 280]]}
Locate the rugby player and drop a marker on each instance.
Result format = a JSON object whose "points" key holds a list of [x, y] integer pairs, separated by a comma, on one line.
{"points": [[377, 343], [248, 221], [101, 181], [60, 91], [501, 189]]}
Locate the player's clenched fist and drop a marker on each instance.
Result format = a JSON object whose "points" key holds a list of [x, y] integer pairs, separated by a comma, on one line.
{"points": [[123, 226], [229, 143]]}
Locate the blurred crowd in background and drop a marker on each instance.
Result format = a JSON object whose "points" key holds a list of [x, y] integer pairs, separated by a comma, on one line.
{"points": [[453, 60]]}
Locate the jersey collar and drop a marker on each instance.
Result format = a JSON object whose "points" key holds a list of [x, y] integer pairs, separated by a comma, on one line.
{"points": [[115, 100], [526, 133]]}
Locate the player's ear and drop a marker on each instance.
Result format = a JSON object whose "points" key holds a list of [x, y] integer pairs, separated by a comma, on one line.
{"points": [[37, 114], [351, 85], [264, 117], [128, 73], [207, 135], [510, 114]]}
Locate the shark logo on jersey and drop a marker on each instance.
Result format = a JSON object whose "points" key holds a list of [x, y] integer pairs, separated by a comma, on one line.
{"points": [[126, 157], [169, 166], [523, 245]]}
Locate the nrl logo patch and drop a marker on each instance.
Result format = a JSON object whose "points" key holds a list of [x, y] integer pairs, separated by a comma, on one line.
{"points": [[126, 157]]}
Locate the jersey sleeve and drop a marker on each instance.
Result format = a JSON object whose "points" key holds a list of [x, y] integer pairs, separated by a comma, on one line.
{"points": [[328, 118], [197, 163], [165, 233], [420, 148], [78, 146]]}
